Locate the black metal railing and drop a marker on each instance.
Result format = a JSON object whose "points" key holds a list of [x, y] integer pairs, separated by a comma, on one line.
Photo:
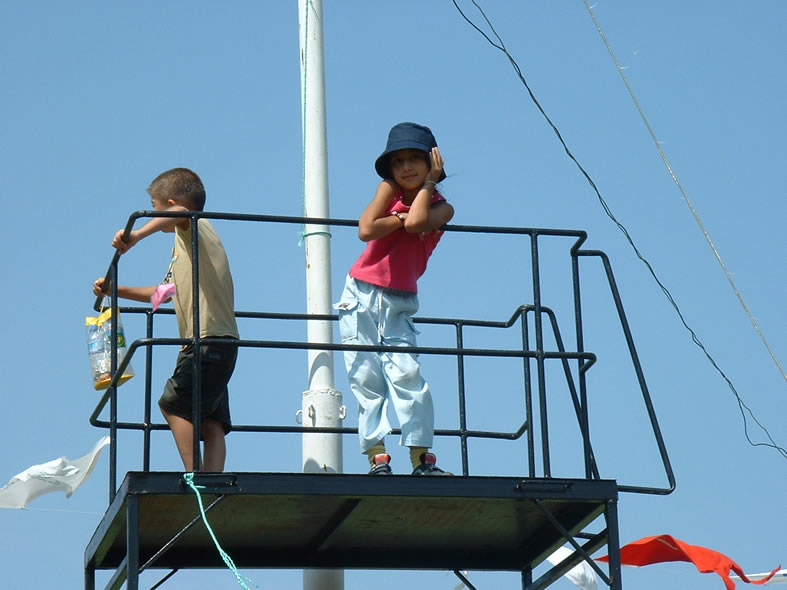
{"points": [[538, 355]]}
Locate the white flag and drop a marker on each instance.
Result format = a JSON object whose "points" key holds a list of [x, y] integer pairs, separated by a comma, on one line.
{"points": [[581, 575], [58, 474]]}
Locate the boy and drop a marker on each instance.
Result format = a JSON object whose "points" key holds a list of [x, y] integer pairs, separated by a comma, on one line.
{"points": [[181, 189]]}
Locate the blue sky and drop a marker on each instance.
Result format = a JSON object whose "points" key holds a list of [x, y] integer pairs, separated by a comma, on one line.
{"points": [[98, 98]]}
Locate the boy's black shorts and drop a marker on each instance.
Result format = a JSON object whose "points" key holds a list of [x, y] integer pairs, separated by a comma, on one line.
{"points": [[217, 362]]}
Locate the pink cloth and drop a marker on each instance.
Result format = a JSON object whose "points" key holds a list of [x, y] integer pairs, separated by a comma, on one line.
{"points": [[162, 293], [398, 260]]}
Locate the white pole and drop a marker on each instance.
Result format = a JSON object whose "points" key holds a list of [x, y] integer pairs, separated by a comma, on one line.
{"points": [[321, 404]]}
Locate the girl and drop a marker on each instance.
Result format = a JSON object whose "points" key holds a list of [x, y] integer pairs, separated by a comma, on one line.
{"points": [[401, 227]]}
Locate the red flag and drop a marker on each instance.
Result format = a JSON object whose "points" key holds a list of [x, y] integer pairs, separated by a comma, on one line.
{"points": [[666, 548]]}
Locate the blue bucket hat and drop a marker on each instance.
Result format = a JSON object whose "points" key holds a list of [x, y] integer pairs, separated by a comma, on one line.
{"points": [[406, 136]]}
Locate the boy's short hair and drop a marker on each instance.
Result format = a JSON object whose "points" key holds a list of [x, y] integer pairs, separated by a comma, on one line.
{"points": [[181, 185]]}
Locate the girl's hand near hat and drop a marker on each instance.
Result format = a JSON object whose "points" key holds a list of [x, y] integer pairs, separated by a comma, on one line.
{"points": [[436, 169]]}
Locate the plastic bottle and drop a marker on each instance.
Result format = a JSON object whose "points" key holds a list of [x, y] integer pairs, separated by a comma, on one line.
{"points": [[99, 353]]}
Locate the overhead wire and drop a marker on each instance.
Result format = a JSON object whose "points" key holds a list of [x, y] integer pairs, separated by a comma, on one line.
{"points": [[500, 45], [674, 177]]}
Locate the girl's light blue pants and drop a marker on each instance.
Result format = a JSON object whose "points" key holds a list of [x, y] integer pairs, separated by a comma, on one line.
{"points": [[374, 315]]}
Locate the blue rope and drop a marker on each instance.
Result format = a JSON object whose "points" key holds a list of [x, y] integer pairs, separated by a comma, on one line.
{"points": [[189, 479], [305, 234]]}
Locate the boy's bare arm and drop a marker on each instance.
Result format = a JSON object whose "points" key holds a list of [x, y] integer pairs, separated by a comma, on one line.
{"points": [[141, 294], [157, 224]]}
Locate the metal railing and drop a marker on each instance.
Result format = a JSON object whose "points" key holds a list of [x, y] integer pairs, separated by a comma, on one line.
{"points": [[534, 380]]}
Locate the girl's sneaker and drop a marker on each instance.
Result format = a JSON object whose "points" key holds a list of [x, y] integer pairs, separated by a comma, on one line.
{"points": [[429, 466], [381, 465]]}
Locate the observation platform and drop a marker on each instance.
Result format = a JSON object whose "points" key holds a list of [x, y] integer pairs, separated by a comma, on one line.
{"points": [[356, 521], [397, 522]]}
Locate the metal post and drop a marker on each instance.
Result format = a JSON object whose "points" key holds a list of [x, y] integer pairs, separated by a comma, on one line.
{"points": [[322, 405], [113, 398], [613, 545], [132, 542]]}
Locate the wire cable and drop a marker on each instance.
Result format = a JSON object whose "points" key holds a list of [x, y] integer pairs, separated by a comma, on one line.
{"points": [[674, 177], [500, 45]]}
